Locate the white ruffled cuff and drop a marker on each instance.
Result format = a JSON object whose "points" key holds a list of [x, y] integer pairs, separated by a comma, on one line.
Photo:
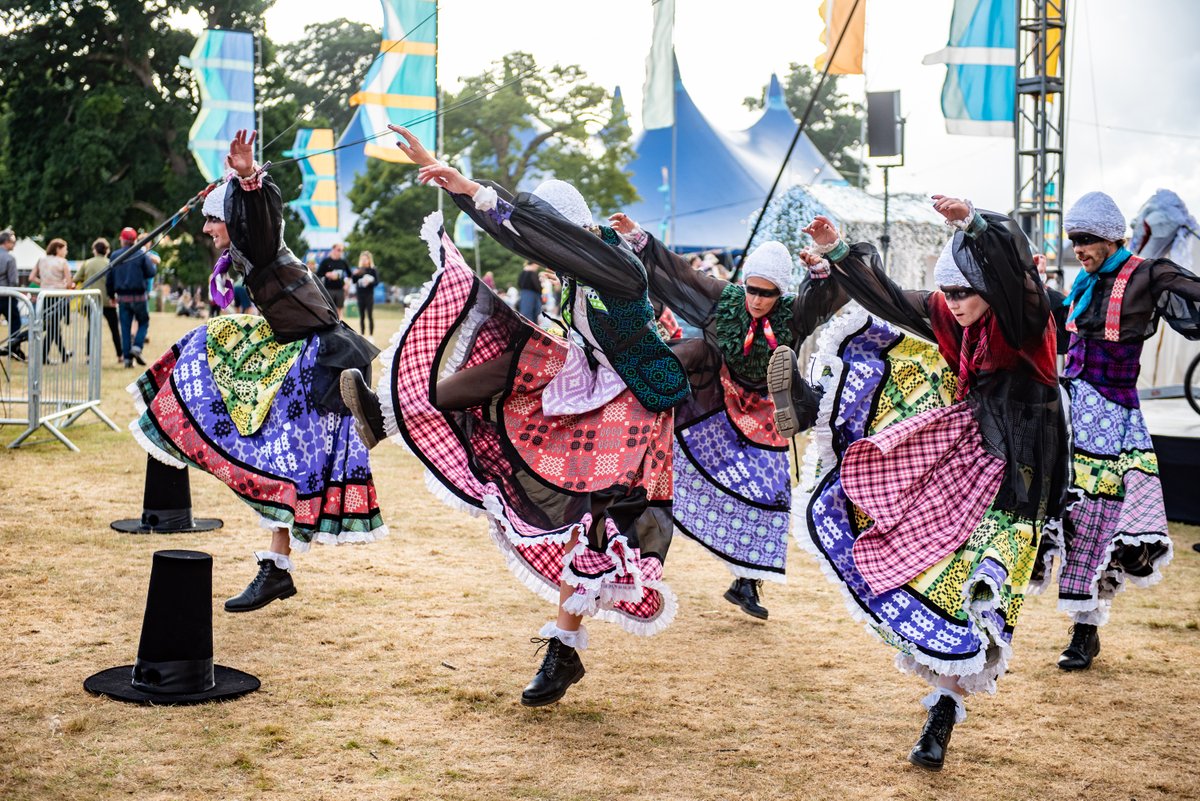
{"points": [[968, 223], [486, 198], [960, 706], [282, 561], [572, 639]]}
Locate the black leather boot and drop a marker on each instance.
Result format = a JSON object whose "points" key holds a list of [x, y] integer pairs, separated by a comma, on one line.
{"points": [[560, 669], [364, 405], [743, 592], [1084, 647], [271, 583], [930, 750]]}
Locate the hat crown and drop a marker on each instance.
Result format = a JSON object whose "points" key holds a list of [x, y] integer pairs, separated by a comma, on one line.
{"points": [[772, 262], [175, 653], [566, 200]]}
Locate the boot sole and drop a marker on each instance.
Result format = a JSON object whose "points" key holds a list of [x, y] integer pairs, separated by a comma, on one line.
{"points": [[733, 599], [282, 597], [556, 697], [349, 390], [779, 383], [930, 766]]}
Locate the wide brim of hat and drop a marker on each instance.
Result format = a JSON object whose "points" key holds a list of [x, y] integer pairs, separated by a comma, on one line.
{"points": [[117, 683], [134, 526]]}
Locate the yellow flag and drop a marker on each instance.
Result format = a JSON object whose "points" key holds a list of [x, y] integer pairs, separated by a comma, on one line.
{"points": [[836, 14]]}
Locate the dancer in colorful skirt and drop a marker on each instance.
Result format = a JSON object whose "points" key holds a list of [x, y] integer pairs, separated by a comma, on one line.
{"points": [[254, 400], [564, 443], [932, 476], [1115, 528], [733, 492]]}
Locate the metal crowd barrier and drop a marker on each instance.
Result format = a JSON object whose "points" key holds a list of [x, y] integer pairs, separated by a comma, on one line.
{"points": [[58, 382]]}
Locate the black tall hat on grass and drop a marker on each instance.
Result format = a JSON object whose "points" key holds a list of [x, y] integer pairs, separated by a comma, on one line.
{"points": [[175, 657], [166, 504]]}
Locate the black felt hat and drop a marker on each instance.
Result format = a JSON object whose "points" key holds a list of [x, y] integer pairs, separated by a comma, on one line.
{"points": [[175, 657], [166, 504]]}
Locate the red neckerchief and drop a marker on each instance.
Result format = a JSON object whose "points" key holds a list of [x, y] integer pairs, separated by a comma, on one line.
{"points": [[762, 323]]}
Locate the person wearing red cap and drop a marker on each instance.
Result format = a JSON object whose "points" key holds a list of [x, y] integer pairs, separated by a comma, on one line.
{"points": [[127, 284]]}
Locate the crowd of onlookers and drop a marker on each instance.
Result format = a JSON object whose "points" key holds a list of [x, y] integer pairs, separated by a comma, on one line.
{"points": [[123, 294]]}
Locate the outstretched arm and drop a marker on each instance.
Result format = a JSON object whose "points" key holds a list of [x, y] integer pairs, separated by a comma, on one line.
{"points": [[1177, 296], [690, 294]]}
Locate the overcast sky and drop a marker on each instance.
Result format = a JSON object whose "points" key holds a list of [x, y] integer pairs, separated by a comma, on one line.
{"points": [[1133, 72]]}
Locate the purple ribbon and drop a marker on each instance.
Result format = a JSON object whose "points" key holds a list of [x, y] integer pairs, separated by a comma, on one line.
{"points": [[220, 288]]}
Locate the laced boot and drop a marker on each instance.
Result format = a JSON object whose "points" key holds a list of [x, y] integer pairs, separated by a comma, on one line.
{"points": [[560, 669], [930, 750], [271, 583], [364, 405], [1084, 647], [743, 592], [781, 374]]}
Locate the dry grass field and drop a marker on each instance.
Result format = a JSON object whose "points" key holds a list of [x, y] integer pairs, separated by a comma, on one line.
{"points": [[395, 672]]}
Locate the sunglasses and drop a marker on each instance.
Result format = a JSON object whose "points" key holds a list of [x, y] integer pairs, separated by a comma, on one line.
{"points": [[959, 294], [1079, 240], [762, 293], [210, 218]]}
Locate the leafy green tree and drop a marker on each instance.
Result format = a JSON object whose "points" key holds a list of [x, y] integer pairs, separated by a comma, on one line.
{"points": [[835, 125], [322, 70], [539, 123]]}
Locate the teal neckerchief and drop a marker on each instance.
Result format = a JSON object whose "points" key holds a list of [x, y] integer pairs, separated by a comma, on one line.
{"points": [[1081, 291]]}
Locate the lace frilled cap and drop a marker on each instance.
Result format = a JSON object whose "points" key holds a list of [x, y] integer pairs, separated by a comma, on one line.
{"points": [[1096, 213], [946, 272], [771, 262], [566, 200], [214, 204]]}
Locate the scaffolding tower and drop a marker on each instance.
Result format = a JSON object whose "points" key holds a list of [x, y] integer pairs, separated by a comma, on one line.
{"points": [[1040, 129]]}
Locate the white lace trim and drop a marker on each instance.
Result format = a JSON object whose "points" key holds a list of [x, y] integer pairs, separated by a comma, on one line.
{"points": [[139, 436], [572, 639], [960, 706], [486, 198], [282, 561]]}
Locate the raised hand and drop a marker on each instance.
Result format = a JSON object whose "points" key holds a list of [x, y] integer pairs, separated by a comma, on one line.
{"points": [[448, 178], [809, 258], [951, 208], [241, 153], [412, 147], [822, 230], [622, 224]]}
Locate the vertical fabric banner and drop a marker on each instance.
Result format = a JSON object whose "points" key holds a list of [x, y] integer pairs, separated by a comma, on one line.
{"points": [[980, 93], [317, 204], [837, 15], [658, 94], [223, 63], [400, 88]]}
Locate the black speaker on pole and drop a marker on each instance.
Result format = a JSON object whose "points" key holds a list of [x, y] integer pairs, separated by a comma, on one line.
{"points": [[884, 132]]}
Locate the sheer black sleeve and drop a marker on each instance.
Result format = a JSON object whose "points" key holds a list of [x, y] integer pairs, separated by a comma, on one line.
{"points": [[817, 299], [1009, 285], [255, 220], [531, 228], [1176, 296], [862, 278], [690, 294]]}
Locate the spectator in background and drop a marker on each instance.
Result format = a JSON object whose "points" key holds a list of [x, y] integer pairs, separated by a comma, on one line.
{"points": [[241, 298], [332, 271], [311, 263], [551, 289], [489, 280], [365, 277], [11, 307], [127, 284], [529, 285], [90, 269], [53, 272]]}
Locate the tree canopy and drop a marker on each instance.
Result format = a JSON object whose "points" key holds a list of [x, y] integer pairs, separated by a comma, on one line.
{"points": [[835, 125]]}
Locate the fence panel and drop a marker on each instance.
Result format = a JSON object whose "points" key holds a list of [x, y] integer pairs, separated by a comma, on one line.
{"points": [[59, 382]]}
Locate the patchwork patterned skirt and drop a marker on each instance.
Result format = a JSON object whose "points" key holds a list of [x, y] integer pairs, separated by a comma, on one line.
{"points": [[1115, 530], [733, 494], [889, 442], [231, 401], [581, 496]]}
